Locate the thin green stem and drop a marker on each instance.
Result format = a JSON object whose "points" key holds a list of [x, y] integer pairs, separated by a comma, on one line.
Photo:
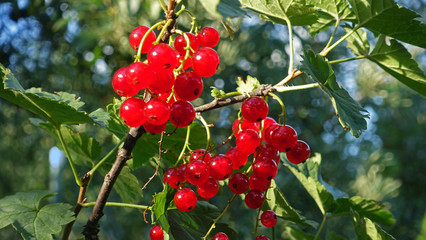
{"points": [[67, 153], [295, 88], [106, 156], [185, 146], [332, 35], [206, 126], [231, 94], [321, 227], [290, 40], [163, 6], [278, 99], [219, 217], [257, 222], [187, 52], [138, 55], [181, 10], [163, 30], [327, 50], [347, 59], [117, 204]]}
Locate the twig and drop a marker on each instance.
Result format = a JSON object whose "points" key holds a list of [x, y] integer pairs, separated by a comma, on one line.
{"points": [[160, 150]]}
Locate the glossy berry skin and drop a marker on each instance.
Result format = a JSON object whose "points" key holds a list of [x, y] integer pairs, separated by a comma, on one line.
{"points": [[220, 167], [122, 85], [265, 169], [254, 109], [164, 96], [162, 57], [254, 199], [268, 151], [238, 158], [268, 218], [154, 129], [182, 113], [173, 177], [238, 183], [163, 82], [259, 184], [140, 74], [268, 121], [220, 236], [188, 86], [131, 111], [283, 138], [244, 125], [156, 233], [247, 141], [156, 111], [208, 189], [185, 199], [197, 172], [208, 37], [187, 63], [261, 237], [267, 132], [180, 44], [200, 154], [205, 62], [299, 153], [136, 36]]}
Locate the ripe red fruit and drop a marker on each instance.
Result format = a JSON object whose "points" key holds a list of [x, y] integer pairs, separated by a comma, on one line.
{"points": [[208, 37], [180, 44], [268, 151], [205, 62], [254, 109], [122, 85], [283, 138], [156, 111], [154, 129], [247, 141], [267, 132], [244, 125], [199, 154], [299, 153], [238, 183], [131, 111], [163, 82], [261, 237], [185, 199], [254, 199], [208, 189], [259, 184], [265, 168], [156, 233], [220, 236], [140, 74], [162, 57], [188, 86], [197, 172], [164, 96], [182, 114], [136, 36], [220, 167], [238, 158], [268, 121], [173, 177], [268, 218]]}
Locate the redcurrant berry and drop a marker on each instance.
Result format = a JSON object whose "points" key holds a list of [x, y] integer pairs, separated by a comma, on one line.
{"points": [[162, 57], [197, 172], [163, 82], [254, 199], [180, 44], [173, 177], [268, 121], [122, 85], [185, 199], [265, 168], [220, 236], [261, 237], [131, 111], [244, 125], [238, 183], [200, 154], [208, 37], [259, 184], [156, 111], [283, 138], [187, 64], [205, 62], [267, 132], [208, 189], [268, 151], [238, 158], [254, 109], [299, 153], [247, 141], [220, 167], [182, 114], [268, 218], [188, 86], [154, 129], [136, 36], [156, 233], [140, 74]]}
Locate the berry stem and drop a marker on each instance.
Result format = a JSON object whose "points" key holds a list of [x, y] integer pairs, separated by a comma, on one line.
{"points": [[188, 50], [278, 99], [295, 88], [186, 145], [257, 222], [106, 157], [219, 217], [231, 94], [163, 30], [321, 227], [138, 55], [117, 204], [290, 40], [325, 51], [206, 126], [67, 153], [163, 6]]}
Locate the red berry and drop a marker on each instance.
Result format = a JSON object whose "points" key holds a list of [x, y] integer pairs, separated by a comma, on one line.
{"points": [[182, 114], [208, 37], [200, 154], [156, 111], [268, 121], [254, 109], [188, 86], [254, 199], [187, 64], [140, 74], [265, 168], [122, 85], [197, 172], [238, 158], [220, 167], [259, 184], [205, 62], [156, 233], [261, 237], [268, 151], [173, 177], [208, 189], [164, 96], [220, 236], [154, 129], [180, 44], [283, 138], [185, 199], [299, 153], [131, 111], [247, 141], [267, 132], [136, 36], [162, 57], [268, 218], [238, 183], [163, 82], [244, 125]]}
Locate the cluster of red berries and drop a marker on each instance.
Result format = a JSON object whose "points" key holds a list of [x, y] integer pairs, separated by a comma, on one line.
{"points": [[166, 77]]}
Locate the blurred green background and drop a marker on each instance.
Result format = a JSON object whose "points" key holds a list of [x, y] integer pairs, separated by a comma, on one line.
{"points": [[76, 46]]}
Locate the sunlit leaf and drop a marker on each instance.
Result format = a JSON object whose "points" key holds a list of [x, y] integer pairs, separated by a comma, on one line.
{"points": [[223, 8], [216, 93], [357, 42], [245, 87], [293, 233], [368, 230]]}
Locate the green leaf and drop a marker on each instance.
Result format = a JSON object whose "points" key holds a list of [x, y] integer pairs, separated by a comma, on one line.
{"points": [[293, 233], [223, 9], [357, 42], [397, 61], [24, 212], [328, 12], [100, 116], [351, 115], [386, 17], [58, 108], [114, 124], [276, 201], [298, 11], [248, 86], [216, 93], [367, 230], [333, 236]]}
